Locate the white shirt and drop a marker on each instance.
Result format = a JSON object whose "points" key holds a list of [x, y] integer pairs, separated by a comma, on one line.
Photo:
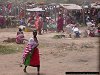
{"points": [[32, 42], [75, 29]]}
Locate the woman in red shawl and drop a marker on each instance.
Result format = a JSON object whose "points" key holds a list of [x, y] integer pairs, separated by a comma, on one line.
{"points": [[60, 23], [31, 53]]}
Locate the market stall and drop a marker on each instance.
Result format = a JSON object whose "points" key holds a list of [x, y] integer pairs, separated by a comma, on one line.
{"points": [[95, 5], [35, 9], [71, 6]]}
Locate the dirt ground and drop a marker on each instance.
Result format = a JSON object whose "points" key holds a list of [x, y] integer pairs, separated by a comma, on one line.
{"points": [[57, 56]]}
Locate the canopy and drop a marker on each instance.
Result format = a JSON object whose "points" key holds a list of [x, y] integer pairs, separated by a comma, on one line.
{"points": [[35, 9], [95, 5], [71, 6]]}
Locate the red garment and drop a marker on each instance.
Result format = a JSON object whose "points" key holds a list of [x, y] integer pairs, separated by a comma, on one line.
{"points": [[9, 6], [91, 34], [19, 38], [2, 20], [35, 59], [98, 31], [30, 19], [60, 23], [39, 24]]}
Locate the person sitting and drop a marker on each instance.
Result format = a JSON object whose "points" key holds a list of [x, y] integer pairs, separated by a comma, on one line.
{"points": [[76, 31], [20, 37], [92, 31], [69, 29]]}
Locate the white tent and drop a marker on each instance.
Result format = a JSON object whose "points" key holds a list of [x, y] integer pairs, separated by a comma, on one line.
{"points": [[71, 6], [35, 9]]}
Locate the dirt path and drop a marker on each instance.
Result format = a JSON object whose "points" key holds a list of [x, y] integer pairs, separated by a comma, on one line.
{"points": [[57, 55]]}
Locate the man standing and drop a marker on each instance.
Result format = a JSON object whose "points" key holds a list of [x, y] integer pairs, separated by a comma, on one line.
{"points": [[60, 24]]}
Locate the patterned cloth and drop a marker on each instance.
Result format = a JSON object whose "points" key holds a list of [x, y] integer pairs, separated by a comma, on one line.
{"points": [[31, 54], [19, 39]]}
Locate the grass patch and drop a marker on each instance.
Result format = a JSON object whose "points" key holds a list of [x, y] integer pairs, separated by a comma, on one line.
{"points": [[9, 49], [86, 45], [58, 36]]}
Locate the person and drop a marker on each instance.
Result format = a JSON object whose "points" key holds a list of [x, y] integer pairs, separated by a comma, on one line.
{"points": [[45, 25], [99, 31], [22, 21], [69, 29], [98, 16], [92, 31], [39, 23], [76, 31], [8, 22], [20, 37], [60, 23], [2, 21], [31, 53]]}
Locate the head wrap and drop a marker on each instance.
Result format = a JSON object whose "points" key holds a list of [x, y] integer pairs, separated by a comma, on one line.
{"points": [[34, 30]]}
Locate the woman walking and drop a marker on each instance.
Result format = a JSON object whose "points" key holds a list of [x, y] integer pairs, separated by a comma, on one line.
{"points": [[31, 53]]}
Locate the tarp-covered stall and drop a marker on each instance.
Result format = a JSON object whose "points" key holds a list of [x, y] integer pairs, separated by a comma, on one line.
{"points": [[95, 5]]}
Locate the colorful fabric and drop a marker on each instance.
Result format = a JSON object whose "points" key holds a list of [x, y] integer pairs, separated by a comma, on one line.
{"points": [[52, 26], [39, 24], [26, 51], [36, 23], [35, 59], [92, 31], [31, 54], [21, 14], [92, 34], [19, 38], [27, 60]]}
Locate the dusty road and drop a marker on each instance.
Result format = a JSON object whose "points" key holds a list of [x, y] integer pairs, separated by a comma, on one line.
{"points": [[57, 56]]}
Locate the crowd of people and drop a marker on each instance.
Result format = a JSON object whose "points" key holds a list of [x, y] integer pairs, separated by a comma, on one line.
{"points": [[43, 23], [31, 51], [63, 23]]}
